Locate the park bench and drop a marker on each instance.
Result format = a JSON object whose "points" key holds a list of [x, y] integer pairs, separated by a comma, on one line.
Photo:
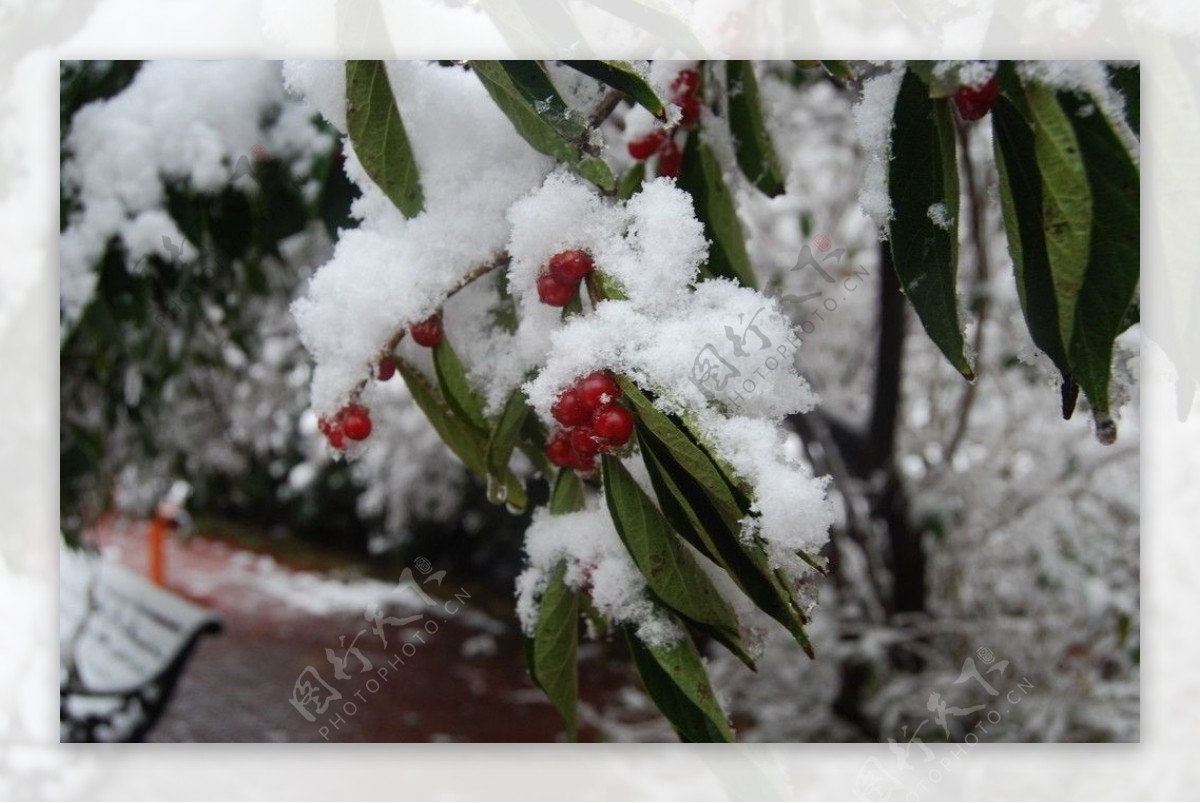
{"points": [[125, 644]]}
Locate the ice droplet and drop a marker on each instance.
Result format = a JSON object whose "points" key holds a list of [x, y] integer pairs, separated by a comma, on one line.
{"points": [[497, 490]]}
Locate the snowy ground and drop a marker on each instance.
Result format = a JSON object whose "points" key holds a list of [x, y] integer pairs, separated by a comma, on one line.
{"points": [[464, 682]]}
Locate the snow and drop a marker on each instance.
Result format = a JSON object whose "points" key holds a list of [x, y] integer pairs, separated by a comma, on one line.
{"points": [[593, 553], [122, 151], [940, 215], [965, 73], [873, 121], [391, 271], [793, 510]]}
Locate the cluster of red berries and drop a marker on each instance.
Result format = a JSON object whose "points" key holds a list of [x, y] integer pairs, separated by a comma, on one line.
{"points": [[592, 420], [974, 102], [353, 421], [559, 282], [686, 95]]}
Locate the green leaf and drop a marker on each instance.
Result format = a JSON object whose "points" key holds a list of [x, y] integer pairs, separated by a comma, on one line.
{"points": [[755, 152], [701, 175], [377, 133], [1066, 201], [631, 181], [457, 388], [523, 91], [694, 460], [670, 570], [567, 495], [1021, 204], [922, 174], [1113, 267], [676, 680], [505, 433], [467, 443], [690, 510], [555, 644], [621, 75]]}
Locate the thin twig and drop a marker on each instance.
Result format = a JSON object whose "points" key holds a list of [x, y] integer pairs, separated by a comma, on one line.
{"points": [[982, 272], [500, 259], [606, 107]]}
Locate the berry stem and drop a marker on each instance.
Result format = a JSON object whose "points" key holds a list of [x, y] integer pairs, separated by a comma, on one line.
{"points": [[500, 260]]}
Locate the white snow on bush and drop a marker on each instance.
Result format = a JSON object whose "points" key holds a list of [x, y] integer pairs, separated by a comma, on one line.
{"points": [[124, 150], [793, 511], [594, 556], [940, 215], [965, 73], [664, 336], [392, 271], [873, 121]]}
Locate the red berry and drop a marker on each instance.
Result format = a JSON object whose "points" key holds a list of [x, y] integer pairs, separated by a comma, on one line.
{"points": [[569, 409], [670, 159], [386, 370], [356, 422], [583, 442], [332, 430], [337, 438], [686, 83], [613, 425], [553, 292], [429, 332], [558, 449], [644, 147], [598, 389], [581, 463], [689, 110], [973, 102], [569, 267]]}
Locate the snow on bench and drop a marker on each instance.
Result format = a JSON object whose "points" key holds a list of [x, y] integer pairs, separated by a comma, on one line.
{"points": [[123, 645]]}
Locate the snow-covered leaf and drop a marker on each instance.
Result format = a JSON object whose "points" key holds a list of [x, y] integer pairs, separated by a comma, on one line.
{"points": [[670, 570], [923, 234], [523, 91], [691, 513], [755, 151], [654, 423], [377, 133]]}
